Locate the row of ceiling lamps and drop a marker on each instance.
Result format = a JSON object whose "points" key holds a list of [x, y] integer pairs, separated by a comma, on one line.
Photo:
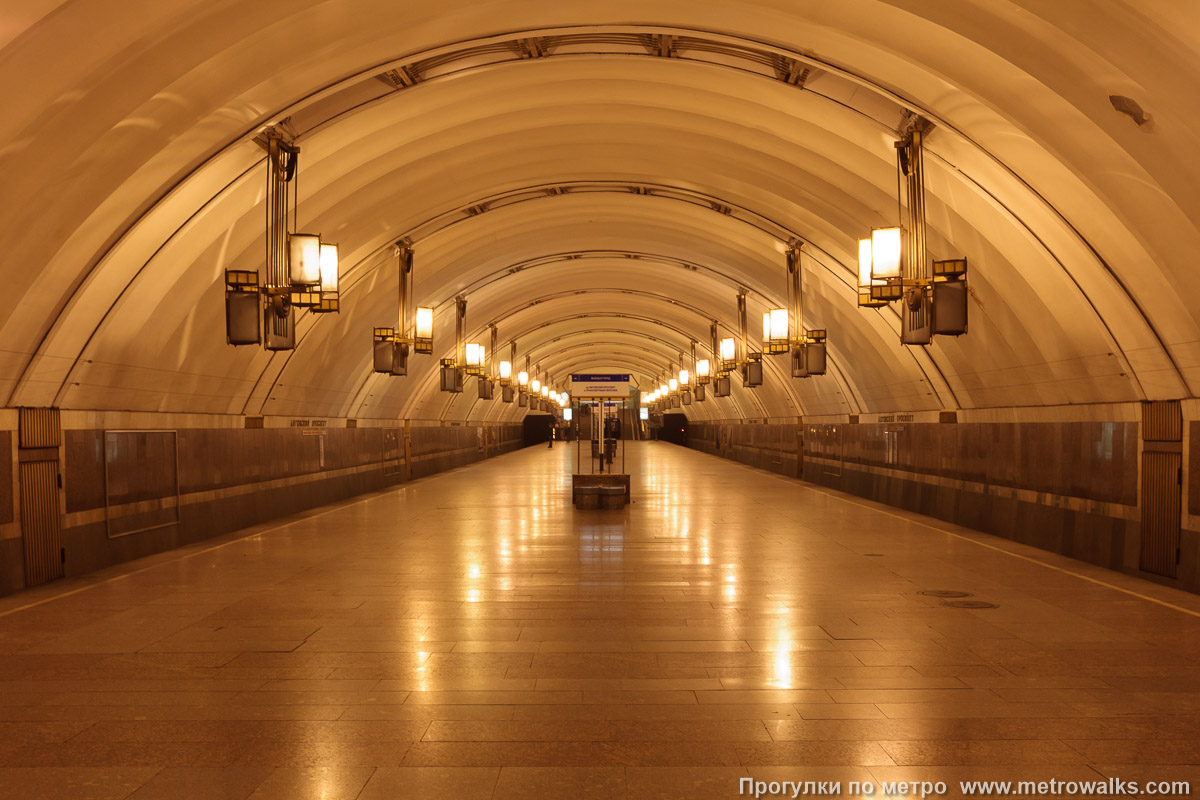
{"points": [[302, 272]]}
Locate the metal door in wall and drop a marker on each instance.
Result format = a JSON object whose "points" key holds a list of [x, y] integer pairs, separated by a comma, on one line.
{"points": [[41, 524], [1162, 492], [1162, 486]]}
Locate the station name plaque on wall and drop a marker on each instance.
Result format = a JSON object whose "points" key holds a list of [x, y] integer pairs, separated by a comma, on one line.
{"points": [[600, 387]]}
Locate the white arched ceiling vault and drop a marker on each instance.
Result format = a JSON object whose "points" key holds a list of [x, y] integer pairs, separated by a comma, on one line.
{"points": [[700, 137]]}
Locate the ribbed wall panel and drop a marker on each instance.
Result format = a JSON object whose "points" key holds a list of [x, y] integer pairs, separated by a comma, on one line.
{"points": [[40, 427], [1161, 497], [41, 522], [1162, 421]]}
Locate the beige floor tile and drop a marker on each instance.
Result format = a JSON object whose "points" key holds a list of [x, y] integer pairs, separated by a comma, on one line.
{"points": [[670, 783], [461, 783], [863, 754], [480, 650], [326, 783], [81, 783], [202, 783], [578, 783]]}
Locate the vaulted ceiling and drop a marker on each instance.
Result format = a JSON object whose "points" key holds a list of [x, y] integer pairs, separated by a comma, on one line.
{"points": [[598, 180]]}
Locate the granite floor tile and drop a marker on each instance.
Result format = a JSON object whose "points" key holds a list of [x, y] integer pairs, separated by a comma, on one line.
{"points": [[443, 640]]}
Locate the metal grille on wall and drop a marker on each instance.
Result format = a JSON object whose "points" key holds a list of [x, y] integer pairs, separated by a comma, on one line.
{"points": [[1162, 487], [41, 523], [40, 427], [40, 434]]}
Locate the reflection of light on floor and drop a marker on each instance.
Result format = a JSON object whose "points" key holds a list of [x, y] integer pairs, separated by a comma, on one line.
{"points": [[704, 559], [473, 596], [782, 665], [474, 571], [423, 679], [730, 586]]}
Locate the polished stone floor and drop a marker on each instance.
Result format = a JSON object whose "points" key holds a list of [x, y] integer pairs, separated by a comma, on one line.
{"points": [[471, 635]]}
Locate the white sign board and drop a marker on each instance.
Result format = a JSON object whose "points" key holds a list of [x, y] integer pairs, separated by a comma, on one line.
{"points": [[600, 387]]}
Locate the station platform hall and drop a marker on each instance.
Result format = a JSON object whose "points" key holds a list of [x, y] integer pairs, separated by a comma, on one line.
{"points": [[472, 635]]}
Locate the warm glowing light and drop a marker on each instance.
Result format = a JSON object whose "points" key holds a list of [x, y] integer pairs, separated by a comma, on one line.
{"points": [[424, 323], [473, 571], [702, 368], [779, 324], [535, 386], [329, 267], [567, 415], [505, 370], [766, 326], [304, 258], [685, 377], [545, 391], [673, 385], [475, 354], [886, 246], [473, 596], [664, 390], [864, 262], [727, 351], [523, 377]]}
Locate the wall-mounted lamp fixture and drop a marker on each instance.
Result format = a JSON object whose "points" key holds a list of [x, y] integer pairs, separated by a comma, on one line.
{"points": [[894, 263], [301, 271], [413, 332]]}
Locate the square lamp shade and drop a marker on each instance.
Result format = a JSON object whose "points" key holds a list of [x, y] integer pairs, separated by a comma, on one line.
{"points": [[424, 323], [304, 259], [535, 386], [523, 377], [474, 355], [505, 373], [673, 385], [887, 245], [685, 377], [703, 369], [775, 330], [728, 353], [329, 268]]}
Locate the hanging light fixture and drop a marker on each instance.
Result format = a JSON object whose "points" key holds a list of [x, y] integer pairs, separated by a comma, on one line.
{"points": [[452, 368], [900, 267], [295, 274], [807, 347], [751, 364], [405, 338]]}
